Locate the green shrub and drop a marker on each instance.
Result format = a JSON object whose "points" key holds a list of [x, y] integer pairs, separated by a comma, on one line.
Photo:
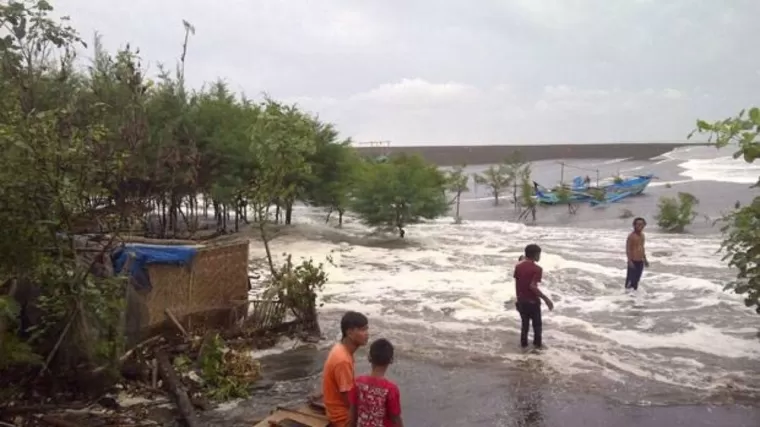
{"points": [[676, 213]]}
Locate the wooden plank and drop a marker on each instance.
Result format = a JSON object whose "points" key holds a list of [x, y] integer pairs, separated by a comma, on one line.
{"points": [[304, 415]]}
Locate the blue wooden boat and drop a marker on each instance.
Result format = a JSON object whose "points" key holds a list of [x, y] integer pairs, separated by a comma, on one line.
{"points": [[613, 191]]}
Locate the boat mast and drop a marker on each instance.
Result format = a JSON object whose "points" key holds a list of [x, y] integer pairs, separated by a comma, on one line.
{"points": [[562, 172]]}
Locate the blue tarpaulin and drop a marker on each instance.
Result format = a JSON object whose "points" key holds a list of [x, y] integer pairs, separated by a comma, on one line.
{"points": [[145, 255]]}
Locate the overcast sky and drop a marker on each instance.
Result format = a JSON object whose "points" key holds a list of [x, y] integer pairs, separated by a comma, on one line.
{"points": [[424, 72]]}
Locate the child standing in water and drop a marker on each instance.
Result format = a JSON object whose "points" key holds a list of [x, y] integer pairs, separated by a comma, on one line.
{"points": [[375, 400]]}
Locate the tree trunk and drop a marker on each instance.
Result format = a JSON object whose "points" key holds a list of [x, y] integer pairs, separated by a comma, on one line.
{"points": [[288, 212], [514, 196], [327, 218], [266, 248], [217, 215], [340, 218], [163, 217], [456, 215]]}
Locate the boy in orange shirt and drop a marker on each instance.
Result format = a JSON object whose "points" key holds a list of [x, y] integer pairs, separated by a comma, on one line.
{"points": [[338, 373]]}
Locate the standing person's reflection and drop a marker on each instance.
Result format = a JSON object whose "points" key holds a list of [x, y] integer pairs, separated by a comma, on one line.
{"points": [[529, 395]]}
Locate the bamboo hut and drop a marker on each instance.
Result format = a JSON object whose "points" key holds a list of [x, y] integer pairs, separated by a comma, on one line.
{"points": [[199, 285]]}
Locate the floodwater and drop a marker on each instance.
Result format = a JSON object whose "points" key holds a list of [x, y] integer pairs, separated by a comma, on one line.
{"points": [[682, 351]]}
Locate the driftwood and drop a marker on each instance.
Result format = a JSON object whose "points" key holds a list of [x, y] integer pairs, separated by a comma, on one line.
{"points": [[176, 323], [44, 407], [175, 386]]}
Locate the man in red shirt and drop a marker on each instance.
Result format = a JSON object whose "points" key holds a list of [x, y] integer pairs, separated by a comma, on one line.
{"points": [[527, 277]]}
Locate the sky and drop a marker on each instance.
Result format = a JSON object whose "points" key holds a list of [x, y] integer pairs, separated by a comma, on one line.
{"points": [[451, 72]]}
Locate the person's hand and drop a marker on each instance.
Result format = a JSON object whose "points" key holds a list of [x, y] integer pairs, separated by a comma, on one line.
{"points": [[549, 304]]}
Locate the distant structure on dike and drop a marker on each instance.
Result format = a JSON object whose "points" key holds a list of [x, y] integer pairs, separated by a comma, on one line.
{"points": [[380, 150]]}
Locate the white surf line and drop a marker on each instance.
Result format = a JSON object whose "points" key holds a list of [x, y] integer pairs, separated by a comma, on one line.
{"points": [[666, 183]]}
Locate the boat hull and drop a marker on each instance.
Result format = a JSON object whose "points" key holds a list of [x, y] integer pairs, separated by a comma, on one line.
{"points": [[612, 193]]}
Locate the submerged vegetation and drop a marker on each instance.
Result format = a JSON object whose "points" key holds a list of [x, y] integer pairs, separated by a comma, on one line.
{"points": [[457, 183], [674, 214]]}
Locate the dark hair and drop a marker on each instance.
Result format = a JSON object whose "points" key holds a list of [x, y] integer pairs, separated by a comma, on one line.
{"points": [[352, 320], [639, 219], [522, 257], [532, 250], [381, 352]]}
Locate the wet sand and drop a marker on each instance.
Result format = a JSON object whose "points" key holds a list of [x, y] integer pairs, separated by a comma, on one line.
{"points": [[486, 154]]}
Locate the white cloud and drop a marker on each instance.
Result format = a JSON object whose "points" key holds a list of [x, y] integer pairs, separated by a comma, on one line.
{"points": [[418, 92], [444, 72]]}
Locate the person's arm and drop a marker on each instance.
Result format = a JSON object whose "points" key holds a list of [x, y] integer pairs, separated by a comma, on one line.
{"points": [[643, 251], [344, 378], [629, 248], [534, 287], [353, 413], [393, 407], [353, 417]]}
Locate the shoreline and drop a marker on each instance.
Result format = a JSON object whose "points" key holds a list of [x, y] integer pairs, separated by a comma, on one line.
{"points": [[486, 154]]}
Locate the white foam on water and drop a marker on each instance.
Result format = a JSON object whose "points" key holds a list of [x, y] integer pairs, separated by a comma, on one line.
{"points": [[453, 281], [613, 161], [707, 163], [671, 183], [700, 337], [722, 169], [282, 345]]}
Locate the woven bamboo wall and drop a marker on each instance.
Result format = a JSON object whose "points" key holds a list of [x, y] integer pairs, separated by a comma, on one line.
{"points": [[217, 276]]}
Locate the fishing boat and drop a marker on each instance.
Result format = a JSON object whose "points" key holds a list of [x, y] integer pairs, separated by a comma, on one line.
{"points": [[607, 191], [620, 190]]}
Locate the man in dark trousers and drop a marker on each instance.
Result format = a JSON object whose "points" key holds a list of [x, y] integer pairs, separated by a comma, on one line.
{"points": [[635, 254], [527, 277]]}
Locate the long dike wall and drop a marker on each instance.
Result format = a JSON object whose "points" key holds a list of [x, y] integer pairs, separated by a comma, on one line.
{"points": [[486, 154]]}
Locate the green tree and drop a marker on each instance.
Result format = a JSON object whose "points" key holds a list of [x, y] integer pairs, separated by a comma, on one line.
{"points": [[333, 173], [565, 196], [100, 149], [528, 201], [674, 214], [742, 226], [496, 178], [50, 176], [401, 191], [516, 167], [457, 183]]}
